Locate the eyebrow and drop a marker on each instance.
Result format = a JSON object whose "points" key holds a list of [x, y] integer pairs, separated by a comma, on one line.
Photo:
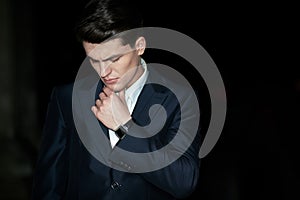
{"points": [[112, 57], [106, 59]]}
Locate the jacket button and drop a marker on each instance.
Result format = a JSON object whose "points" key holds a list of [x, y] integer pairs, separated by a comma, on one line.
{"points": [[115, 185]]}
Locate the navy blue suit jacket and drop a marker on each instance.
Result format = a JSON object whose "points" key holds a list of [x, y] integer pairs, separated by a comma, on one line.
{"points": [[66, 169]]}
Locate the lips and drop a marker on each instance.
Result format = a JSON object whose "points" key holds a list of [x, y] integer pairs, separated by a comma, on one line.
{"points": [[110, 80]]}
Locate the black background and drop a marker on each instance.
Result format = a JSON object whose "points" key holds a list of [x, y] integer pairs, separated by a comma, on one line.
{"points": [[253, 47]]}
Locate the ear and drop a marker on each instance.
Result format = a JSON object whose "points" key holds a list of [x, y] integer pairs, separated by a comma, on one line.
{"points": [[140, 45]]}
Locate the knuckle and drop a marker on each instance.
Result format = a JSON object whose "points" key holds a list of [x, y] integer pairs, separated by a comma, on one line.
{"points": [[98, 102], [101, 108], [98, 115], [105, 101]]}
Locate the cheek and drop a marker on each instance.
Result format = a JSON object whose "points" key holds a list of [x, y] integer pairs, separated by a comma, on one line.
{"points": [[128, 63], [95, 67], [125, 67]]}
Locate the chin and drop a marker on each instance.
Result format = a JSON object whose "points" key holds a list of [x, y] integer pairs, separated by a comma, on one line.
{"points": [[116, 87]]}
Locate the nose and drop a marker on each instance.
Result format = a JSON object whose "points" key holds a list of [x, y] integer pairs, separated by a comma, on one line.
{"points": [[105, 69]]}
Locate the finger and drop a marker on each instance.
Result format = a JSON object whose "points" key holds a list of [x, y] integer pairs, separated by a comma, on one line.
{"points": [[94, 110], [107, 91], [98, 103], [102, 95]]}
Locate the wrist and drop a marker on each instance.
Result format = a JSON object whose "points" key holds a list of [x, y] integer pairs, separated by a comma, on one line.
{"points": [[123, 129], [126, 126]]}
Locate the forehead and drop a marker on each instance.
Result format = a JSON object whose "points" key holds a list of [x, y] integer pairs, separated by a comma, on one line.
{"points": [[105, 49]]}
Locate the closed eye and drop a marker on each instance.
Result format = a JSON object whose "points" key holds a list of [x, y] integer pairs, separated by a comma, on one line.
{"points": [[93, 61], [116, 59]]}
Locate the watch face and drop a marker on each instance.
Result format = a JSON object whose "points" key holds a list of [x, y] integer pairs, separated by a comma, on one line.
{"points": [[120, 133], [126, 126]]}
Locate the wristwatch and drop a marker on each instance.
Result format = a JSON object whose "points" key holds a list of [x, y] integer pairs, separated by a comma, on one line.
{"points": [[123, 129]]}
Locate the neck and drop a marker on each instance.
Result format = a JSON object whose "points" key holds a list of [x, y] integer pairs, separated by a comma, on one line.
{"points": [[138, 73]]}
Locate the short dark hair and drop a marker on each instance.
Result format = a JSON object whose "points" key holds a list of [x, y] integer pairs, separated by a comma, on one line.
{"points": [[103, 19]]}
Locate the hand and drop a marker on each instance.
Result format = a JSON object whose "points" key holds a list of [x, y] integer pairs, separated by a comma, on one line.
{"points": [[111, 109]]}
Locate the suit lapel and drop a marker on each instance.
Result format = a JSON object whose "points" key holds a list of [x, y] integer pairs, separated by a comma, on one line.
{"points": [[98, 89], [87, 97], [147, 98], [96, 145]]}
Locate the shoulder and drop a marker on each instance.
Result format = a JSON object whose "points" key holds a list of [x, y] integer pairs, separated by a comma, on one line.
{"points": [[61, 102], [64, 90], [61, 96]]}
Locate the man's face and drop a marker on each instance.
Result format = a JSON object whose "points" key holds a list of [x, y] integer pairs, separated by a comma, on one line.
{"points": [[116, 64]]}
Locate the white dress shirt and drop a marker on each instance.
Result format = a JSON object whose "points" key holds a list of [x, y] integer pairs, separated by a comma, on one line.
{"points": [[131, 95]]}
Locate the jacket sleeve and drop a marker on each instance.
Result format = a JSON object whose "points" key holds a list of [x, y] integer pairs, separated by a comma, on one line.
{"points": [[50, 175], [180, 177]]}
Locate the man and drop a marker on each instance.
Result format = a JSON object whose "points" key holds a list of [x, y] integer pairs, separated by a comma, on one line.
{"points": [[80, 159]]}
